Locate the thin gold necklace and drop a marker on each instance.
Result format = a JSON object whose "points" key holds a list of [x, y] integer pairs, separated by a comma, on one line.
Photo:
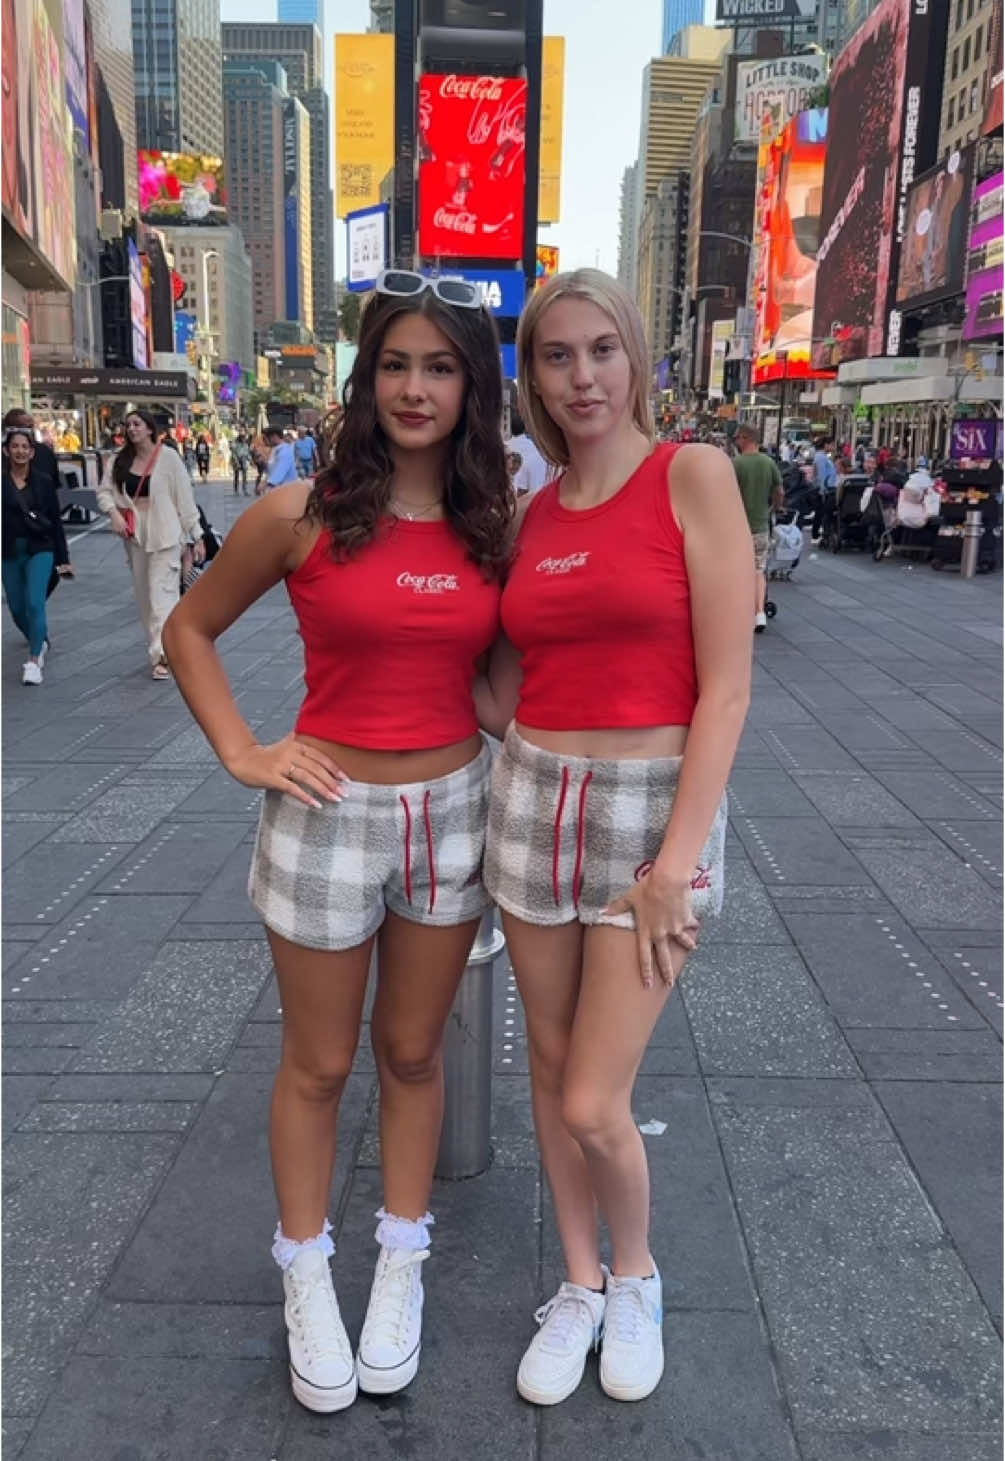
{"points": [[418, 511]]}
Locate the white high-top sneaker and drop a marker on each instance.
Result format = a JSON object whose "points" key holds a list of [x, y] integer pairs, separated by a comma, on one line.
{"points": [[553, 1364], [631, 1357], [391, 1341], [322, 1371]]}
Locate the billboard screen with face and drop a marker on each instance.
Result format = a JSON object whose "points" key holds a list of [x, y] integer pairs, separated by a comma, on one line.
{"points": [[933, 253], [181, 187], [984, 261], [471, 166], [785, 286]]}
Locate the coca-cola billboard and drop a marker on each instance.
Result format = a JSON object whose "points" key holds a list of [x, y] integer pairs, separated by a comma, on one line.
{"points": [[471, 166]]}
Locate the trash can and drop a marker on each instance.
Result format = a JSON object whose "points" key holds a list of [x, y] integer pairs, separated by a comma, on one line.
{"points": [[465, 1142]]}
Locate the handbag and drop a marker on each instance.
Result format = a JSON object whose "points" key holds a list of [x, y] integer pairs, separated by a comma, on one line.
{"points": [[129, 513]]}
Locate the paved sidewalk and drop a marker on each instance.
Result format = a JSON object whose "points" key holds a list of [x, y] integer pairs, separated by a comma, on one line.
{"points": [[826, 1189]]}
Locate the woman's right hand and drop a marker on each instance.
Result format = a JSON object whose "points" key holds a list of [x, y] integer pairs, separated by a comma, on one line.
{"points": [[118, 523], [290, 766]]}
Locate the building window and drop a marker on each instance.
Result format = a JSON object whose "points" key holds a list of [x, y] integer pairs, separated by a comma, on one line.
{"points": [[956, 63], [959, 14], [973, 96], [966, 54], [978, 43], [951, 114], [970, 9]]}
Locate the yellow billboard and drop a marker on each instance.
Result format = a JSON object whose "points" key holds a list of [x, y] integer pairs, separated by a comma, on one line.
{"points": [[364, 119], [549, 192]]}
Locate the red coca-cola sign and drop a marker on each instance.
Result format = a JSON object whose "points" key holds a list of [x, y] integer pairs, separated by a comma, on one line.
{"points": [[471, 166]]}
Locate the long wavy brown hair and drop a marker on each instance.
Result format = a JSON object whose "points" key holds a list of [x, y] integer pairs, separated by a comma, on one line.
{"points": [[352, 494]]}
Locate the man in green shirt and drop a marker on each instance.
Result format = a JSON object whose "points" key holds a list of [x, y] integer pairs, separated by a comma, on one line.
{"points": [[761, 489]]}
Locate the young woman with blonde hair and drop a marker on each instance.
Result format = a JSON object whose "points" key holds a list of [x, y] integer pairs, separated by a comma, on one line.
{"points": [[627, 664]]}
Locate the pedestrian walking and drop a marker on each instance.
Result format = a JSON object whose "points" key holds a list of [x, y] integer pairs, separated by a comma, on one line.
{"points": [[33, 545], [202, 457], [534, 470], [147, 495], [260, 457], [760, 484], [305, 449], [282, 464], [629, 602], [825, 480], [240, 458], [374, 813]]}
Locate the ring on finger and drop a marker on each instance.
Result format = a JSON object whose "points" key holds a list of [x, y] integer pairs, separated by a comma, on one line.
{"points": [[292, 771]]}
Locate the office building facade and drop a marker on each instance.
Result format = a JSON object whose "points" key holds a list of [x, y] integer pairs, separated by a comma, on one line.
{"points": [[297, 211], [253, 113], [177, 72], [302, 12], [661, 246], [217, 270], [969, 61], [677, 14]]}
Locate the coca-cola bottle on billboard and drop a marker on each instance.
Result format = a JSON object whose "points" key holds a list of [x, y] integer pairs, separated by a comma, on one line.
{"points": [[463, 185], [426, 153]]}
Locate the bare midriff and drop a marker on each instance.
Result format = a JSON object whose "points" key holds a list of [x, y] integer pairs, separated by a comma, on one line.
{"points": [[393, 768], [641, 743]]}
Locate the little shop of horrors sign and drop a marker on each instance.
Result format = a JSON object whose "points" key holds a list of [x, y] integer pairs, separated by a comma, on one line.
{"points": [[781, 87]]}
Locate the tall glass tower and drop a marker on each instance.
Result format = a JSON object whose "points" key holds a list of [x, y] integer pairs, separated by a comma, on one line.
{"points": [[676, 15], [302, 12]]}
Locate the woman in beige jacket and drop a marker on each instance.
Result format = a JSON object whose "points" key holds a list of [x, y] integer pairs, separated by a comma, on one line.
{"points": [[147, 494]]}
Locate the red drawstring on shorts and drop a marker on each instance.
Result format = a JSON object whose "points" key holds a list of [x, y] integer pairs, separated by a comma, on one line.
{"points": [[408, 847], [557, 841], [429, 850], [577, 877]]}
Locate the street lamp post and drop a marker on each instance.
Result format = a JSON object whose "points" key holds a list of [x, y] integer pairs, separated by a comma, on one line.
{"points": [[207, 254]]}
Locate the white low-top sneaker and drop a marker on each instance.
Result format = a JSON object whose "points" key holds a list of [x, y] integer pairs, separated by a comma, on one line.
{"points": [[631, 1356], [556, 1357], [322, 1371], [391, 1341], [31, 673]]}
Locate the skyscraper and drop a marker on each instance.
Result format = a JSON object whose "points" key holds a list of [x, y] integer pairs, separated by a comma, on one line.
{"points": [[676, 15], [298, 49], [176, 61], [253, 105], [302, 12]]}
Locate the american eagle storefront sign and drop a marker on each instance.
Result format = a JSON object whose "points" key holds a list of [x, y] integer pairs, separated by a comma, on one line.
{"points": [[471, 166]]}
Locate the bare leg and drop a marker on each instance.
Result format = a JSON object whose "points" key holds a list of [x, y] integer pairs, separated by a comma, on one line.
{"points": [[322, 999], [419, 971], [760, 591], [546, 962], [614, 1021]]}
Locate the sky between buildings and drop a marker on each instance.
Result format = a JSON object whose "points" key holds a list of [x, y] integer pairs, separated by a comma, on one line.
{"points": [[608, 42]]}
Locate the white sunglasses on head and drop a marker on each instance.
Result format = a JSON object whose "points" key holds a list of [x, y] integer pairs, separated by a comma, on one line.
{"points": [[406, 283]]}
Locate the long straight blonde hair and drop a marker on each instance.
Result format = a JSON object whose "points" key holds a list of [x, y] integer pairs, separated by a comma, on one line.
{"points": [[610, 296]]}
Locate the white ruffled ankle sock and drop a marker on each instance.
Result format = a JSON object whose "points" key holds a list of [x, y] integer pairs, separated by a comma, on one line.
{"points": [[284, 1249], [397, 1232]]}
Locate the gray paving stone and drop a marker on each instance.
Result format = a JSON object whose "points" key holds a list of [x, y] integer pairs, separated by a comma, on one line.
{"points": [[808, 750], [947, 1133], [55, 1011], [37, 1060], [913, 713], [766, 793], [977, 844], [144, 730], [12, 950], [119, 815], [221, 796], [133, 1087], [56, 1034], [20, 1092], [177, 858], [960, 750], [874, 971], [930, 887], [958, 1054], [755, 1011], [853, 799], [887, 1445], [798, 850], [221, 1189], [874, 1320], [98, 950], [45, 884], [164, 1410], [20, 837], [978, 974], [154, 1029], [71, 1202], [225, 900], [15, 1434], [718, 1399], [186, 1331], [864, 732], [937, 794], [64, 788], [110, 1116]]}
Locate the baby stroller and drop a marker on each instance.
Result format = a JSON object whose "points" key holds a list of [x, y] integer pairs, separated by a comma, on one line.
{"points": [[191, 572], [857, 518], [786, 546]]}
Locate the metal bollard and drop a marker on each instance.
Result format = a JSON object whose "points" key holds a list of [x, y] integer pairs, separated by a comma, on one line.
{"points": [[465, 1142], [972, 530]]}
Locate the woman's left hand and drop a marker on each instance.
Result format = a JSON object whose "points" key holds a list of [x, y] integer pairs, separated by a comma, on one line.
{"points": [[663, 917], [199, 551], [65, 570]]}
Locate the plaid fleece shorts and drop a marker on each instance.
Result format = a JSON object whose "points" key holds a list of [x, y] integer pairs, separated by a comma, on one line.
{"points": [[568, 834], [323, 879]]}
